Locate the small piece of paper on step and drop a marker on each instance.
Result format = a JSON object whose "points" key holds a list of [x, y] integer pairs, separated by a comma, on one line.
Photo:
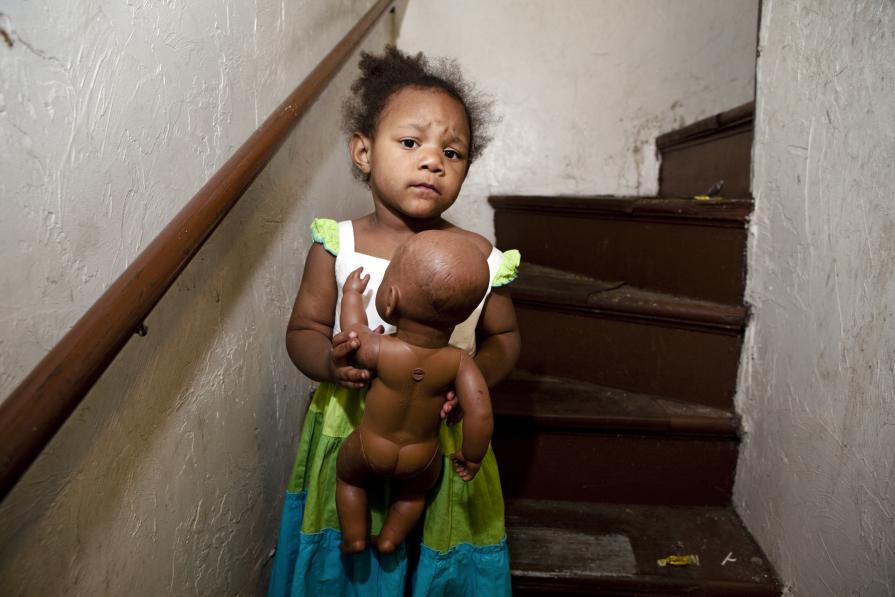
{"points": [[674, 560]]}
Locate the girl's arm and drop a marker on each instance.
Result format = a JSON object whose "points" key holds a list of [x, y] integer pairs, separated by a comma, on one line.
{"points": [[498, 341], [308, 335], [497, 337]]}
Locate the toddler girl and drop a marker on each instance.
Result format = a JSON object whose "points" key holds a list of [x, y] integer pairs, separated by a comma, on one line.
{"points": [[414, 129]]}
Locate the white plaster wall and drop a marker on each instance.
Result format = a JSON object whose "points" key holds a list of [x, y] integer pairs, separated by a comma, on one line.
{"points": [[168, 480], [585, 86], [816, 478]]}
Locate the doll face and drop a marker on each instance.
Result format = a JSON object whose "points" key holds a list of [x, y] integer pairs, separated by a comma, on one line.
{"points": [[417, 158]]}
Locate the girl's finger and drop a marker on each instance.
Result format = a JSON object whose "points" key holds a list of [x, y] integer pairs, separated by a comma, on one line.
{"points": [[344, 349], [358, 375], [343, 337]]}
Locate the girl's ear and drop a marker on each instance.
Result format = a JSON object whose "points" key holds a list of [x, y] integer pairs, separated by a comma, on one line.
{"points": [[392, 298], [359, 146]]}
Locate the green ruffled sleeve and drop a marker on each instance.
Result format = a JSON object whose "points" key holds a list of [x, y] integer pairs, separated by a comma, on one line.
{"points": [[326, 232], [508, 270]]}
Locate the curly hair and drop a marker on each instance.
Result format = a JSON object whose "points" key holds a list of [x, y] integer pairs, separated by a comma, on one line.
{"points": [[381, 76]]}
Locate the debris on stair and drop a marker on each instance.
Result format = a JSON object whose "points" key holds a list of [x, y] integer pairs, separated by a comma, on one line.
{"points": [[679, 560], [714, 192]]}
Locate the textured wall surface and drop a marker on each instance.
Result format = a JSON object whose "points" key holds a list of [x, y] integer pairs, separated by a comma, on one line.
{"points": [[816, 481], [584, 86], [168, 480]]}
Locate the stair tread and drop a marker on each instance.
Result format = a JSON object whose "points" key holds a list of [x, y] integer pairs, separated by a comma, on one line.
{"points": [[742, 115], [593, 547], [731, 210], [571, 404], [546, 285]]}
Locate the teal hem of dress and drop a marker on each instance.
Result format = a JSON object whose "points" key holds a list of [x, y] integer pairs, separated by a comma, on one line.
{"points": [[311, 564], [464, 570]]}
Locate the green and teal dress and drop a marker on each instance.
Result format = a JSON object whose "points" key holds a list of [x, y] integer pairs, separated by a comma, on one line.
{"points": [[464, 548]]}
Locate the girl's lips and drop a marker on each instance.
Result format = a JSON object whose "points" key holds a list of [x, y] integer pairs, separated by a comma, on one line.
{"points": [[426, 188]]}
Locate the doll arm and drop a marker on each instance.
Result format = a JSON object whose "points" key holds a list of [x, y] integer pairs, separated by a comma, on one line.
{"points": [[353, 313], [309, 340], [478, 423], [354, 319]]}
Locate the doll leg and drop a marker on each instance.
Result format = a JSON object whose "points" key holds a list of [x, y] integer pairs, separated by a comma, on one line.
{"points": [[407, 506], [351, 497]]}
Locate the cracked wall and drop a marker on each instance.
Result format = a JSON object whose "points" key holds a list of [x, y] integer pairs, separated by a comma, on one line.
{"points": [[816, 477], [585, 86], [168, 479]]}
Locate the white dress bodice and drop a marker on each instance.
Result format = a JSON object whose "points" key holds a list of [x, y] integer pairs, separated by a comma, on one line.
{"points": [[349, 260]]}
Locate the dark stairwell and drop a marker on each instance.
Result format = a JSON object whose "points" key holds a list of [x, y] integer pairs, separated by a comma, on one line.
{"points": [[617, 434]]}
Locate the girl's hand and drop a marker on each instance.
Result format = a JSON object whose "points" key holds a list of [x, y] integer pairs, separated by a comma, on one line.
{"points": [[341, 366], [465, 468], [451, 412], [341, 369], [355, 282]]}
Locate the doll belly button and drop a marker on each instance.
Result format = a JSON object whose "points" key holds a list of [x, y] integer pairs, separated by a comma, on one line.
{"points": [[418, 374]]}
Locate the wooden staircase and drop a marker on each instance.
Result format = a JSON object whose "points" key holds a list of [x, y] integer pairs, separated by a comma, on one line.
{"points": [[616, 435]]}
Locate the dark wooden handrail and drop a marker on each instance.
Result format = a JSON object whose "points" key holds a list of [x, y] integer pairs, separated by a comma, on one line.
{"points": [[37, 408]]}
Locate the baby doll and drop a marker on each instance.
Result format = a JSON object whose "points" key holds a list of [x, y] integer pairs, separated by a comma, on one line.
{"points": [[433, 283]]}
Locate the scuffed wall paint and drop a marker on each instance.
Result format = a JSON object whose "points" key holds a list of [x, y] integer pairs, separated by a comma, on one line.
{"points": [[816, 477], [168, 479], [584, 86]]}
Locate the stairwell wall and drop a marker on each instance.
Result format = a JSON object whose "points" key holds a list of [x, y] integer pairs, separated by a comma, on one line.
{"points": [[816, 477], [168, 480], [583, 87]]}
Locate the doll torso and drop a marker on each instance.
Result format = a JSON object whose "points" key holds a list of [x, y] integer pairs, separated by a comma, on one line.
{"points": [[399, 430]]}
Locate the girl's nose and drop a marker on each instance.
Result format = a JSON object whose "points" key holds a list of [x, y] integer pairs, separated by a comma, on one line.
{"points": [[432, 161]]}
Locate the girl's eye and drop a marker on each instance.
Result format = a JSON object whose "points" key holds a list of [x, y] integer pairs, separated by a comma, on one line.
{"points": [[451, 154], [409, 143]]}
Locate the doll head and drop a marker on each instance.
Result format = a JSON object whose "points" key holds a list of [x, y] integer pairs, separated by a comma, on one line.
{"points": [[383, 76], [436, 278]]}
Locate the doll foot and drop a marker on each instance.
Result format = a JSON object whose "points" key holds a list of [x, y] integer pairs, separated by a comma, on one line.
{"points": [[383, 545], [356, 546]]}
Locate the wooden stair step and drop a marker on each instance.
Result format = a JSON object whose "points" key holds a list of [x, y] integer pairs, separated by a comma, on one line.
{"points": [[678, 246], [613, 549], [719, 211], [542, 285], [697, 156], [616, 335], [558, 403], [562, 439]]}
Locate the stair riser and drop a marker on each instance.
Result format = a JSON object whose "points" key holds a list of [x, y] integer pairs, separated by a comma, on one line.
{"points": [[693, 365], [694, 168], [705, 262], [630, 469]]}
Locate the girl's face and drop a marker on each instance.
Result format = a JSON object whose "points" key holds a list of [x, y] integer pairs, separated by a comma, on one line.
{"points": [[417, 158]]}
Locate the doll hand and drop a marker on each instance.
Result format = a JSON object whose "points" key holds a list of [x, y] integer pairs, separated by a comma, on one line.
{"points": [[465, 468], [356, 282], [342, 371], [451, 412]]}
